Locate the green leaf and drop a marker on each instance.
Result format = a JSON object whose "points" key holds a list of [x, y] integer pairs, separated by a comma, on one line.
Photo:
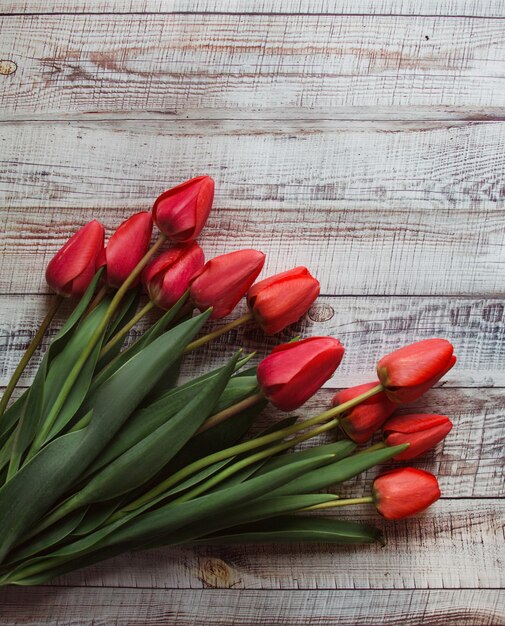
{"points": [[147, 338], [128, 309], [14, 412], [51, 472], [146, 420], [339, 450], [170, 517], [299, 529], [30, 411], [153, 525], [339, 472], [220, 436], [97, 515], [142, 461], [11, 417], [199, 476], [48, 538], [244, 474], [265, 507], [65, 362], [78, 312]]}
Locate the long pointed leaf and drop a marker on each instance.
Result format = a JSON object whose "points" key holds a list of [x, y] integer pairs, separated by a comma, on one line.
{"points": [[339, 450], [265, 507], [51, 472], [339, 472], [299, 529], [138, 464], [146, 420], [147, 338]]}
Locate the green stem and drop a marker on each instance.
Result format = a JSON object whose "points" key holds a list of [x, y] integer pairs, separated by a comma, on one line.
{"points": [[200, 464], [102, 292], [333, 503], [95, 337], [377, 446], [29, 353], [254, 458], [225, 414], [221, 455], [217, 333], [126, 328]]}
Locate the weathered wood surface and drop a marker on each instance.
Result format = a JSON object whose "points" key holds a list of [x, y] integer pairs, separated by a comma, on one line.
{"points": [[470, 8], [435, 229], [377, 126], [368, 328], [166, 607], [176, 62], [432, 550]]}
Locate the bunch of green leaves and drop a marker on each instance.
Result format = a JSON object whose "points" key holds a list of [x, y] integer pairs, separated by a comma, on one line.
{"points": [[121, 465]]}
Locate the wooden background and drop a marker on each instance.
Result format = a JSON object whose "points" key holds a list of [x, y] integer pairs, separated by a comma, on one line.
{"points": [[362, 138]]}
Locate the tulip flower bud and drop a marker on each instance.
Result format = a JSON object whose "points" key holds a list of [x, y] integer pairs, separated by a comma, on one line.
{"points": [[167, 277], [224, 280], [404, 492], [181, 212], [361, 422], [126, 248], [71, 270], [283, 299], [293, 372], [422, 432], [409, 372]]}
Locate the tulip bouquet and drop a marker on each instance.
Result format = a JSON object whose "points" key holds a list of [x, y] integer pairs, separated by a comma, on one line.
{"points": [[107, 452]]}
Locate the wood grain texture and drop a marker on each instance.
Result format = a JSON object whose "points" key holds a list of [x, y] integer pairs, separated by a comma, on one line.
{"points": [[433, 550], [426, 218], [362, 139], [207, 607], [470, 8], [368, 328], [172, 63]]}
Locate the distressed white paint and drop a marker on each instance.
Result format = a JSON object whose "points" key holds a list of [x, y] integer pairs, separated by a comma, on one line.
{"points": [[378, 126], [171, 63], [424, 218]]}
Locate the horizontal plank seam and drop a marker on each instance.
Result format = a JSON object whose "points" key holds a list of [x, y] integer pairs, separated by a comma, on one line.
{"points": [[272, 589], [447, 16], [456, 296], [170, 118]]}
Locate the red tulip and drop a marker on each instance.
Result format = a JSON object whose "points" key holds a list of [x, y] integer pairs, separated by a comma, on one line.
{"points": [[127, 246], [403, 492], [224, 280], [422, 432], [72, 268], [410, 371], [168, 276], [361, 422], [181, 212], [281, 300], [293, 372]]}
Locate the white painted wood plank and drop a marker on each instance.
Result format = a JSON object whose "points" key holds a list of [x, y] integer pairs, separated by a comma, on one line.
{"points": [[174, 63], [402, 207], [131, 607], [456, 544], [368, 328], [488, 8]]}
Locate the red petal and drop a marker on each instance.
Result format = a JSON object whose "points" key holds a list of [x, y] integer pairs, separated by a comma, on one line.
{"points": [[75, 257], [127, 246], [403, 492], [414, 422], [225, 279]]}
